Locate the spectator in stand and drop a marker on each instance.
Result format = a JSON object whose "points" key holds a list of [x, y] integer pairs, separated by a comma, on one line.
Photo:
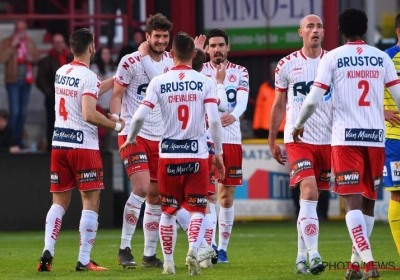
{"points": [[137, 38], [19, 53], [6, 140], [262, 112], [48, 66]]}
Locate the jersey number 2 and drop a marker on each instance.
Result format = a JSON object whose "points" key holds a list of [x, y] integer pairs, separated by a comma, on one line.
{"points": [[62, 111], [183, 115], [364, 85]]}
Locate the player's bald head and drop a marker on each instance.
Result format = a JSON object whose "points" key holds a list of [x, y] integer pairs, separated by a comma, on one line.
{"points": [[306, 19]]}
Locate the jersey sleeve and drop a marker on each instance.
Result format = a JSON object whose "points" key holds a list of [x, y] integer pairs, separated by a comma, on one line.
{"points": [[152, 93], [281, 82], [325, 72], [124, 74], [91, 85], [391, 77], [243, 80]]}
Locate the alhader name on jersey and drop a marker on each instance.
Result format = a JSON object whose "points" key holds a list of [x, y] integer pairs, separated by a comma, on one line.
{"points": [[68, 81], [181, 86], [349, 61]]}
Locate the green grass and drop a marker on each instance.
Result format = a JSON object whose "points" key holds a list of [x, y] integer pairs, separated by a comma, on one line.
{"points": [[262, 250]]}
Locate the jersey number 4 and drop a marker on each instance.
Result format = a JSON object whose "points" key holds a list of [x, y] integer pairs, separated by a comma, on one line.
{"points": [[183, 115], [62, 111], [364, 85]]}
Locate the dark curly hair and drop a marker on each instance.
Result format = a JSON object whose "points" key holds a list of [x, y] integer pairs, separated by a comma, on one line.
{"points": [[158, 22], [353, 22], [198, 60]]}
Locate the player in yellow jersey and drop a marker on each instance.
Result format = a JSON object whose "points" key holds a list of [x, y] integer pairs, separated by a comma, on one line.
{"points": [[391, 170]]}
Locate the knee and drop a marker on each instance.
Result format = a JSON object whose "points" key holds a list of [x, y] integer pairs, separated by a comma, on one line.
{"points": [[212, 198], [226, 199], [308, 191]]}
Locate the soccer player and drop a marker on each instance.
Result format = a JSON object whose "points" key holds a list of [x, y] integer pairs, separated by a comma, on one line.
{"points": [[392, 146], [358, 73], [310, 162], [75, 157], [237, 91], [141, 161], [184, 96]]}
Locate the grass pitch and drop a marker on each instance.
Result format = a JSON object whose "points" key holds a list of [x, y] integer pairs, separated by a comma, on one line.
{"points": [[259, 250]]}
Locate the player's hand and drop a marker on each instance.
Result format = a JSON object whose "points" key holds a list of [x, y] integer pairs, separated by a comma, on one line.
{"points": [[16, 39], [220, 73], [227, 120], [392, 117], [199, 42], [277, 153], [113, 117], [297, 133], [122, 124], [218, 161], [126, 144], [144, 48]]}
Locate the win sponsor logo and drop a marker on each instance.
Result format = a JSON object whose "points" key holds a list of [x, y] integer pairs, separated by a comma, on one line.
{"points": [[168, 201], [300, 165], [90, 175], [182, 168], [138, 158], [347, 178], [365, 135], [54, 177], [325, 176], [235, 172], [197, 200]]}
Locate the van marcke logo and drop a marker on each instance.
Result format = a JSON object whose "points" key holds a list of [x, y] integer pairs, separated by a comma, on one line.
{"points": [[347, 178], [83, 176], [182, 168]]}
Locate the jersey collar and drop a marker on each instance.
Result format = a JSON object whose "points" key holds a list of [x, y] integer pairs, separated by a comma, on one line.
{"points": [[356, 42], [181, 67], [78, 63]]}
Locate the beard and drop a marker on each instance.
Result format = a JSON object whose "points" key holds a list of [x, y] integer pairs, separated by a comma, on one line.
{"points": [[220, 59], [153, 49]]}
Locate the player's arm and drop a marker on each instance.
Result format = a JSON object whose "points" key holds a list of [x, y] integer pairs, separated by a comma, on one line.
{"points": [[394, 89], [116, 99], [106, 85], [277, 113], [222, 97], [145, 60], [92, 116]]}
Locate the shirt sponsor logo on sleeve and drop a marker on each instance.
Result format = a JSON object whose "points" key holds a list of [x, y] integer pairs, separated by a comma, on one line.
{"points": [[197, 200], [364, 135], [90, 175], [235, 172], [68, 135], [179, 146], [348, 178], [182, 168]]}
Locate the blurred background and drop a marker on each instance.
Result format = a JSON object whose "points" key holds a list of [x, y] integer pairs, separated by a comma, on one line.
{"points": [[261, 32]]}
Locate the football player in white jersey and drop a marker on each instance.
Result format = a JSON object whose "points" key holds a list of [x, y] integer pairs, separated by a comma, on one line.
{"points": [[184, 96], [237, 91], [310, 162], [358, 73], [75, 157], [141, 162]]}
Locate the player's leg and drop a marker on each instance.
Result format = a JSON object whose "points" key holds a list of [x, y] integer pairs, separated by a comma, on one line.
{"points": [[89, 178], [392, 183], [136, 165], [62, 180], [152, 212], [226, 190], [195, 201], [211, 213]]}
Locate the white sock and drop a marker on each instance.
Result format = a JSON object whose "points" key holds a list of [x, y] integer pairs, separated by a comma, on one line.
{"points": [[196, 230], [213, 218], [208, 233], [53, 227], [131, 216], [167, 236], [358, 233], [88, 230], [301, 245], [183, 218], [309, 226], [151, 220], [225, 223], [369, 222]]}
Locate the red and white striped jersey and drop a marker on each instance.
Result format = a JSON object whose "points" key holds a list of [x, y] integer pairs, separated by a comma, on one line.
{"points": [[181, 94], [236, 82], [131, 74], [295, 75], [358, 74], [72, 81]]}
